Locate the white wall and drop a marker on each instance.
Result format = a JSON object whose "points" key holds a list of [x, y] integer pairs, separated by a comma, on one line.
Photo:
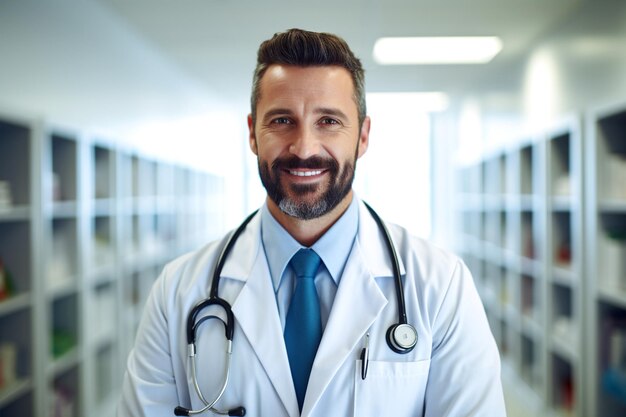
{"points": [[577, 66], [580, 65]]}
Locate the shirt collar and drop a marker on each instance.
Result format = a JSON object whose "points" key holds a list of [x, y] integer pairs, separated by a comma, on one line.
{"points": [[333, 247]]}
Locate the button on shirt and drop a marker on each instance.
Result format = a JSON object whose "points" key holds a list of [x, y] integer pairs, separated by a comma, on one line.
{"points": [[333, 248]]}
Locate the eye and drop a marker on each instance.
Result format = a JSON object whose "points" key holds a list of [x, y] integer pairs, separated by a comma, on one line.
{"points": [[329, 121], [281, 121]]}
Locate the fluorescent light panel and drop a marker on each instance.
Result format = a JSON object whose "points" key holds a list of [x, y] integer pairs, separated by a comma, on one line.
{"points": [[436, 50]]}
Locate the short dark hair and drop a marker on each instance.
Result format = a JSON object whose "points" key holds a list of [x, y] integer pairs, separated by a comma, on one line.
{"points": [[303, 48]]}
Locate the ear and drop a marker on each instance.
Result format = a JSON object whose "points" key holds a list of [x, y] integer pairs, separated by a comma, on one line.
{"points": [[252, 136], [364, 136]]}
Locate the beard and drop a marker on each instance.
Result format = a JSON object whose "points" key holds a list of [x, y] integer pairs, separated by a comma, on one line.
{"points": [[293, 201]]}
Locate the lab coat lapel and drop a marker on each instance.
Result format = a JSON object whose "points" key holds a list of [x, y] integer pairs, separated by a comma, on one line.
{"points": [[256, 312], [357, 304]]}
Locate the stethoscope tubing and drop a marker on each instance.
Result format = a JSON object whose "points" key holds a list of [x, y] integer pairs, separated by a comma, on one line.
{"points": [[209, 406], [213, 294], [214, 299], [402, 319]]}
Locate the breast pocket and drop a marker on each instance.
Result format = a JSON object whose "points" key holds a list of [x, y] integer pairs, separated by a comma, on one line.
{"points": [[391, 389]]}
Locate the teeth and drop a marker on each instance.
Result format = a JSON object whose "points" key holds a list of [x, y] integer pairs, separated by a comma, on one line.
{"points": [[305, 173]]}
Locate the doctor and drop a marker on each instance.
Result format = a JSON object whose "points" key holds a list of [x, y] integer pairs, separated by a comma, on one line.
{"points": [[314, 343]]}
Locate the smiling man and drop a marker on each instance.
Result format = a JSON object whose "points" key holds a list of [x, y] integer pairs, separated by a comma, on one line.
{"points": [[307, 135], [322, 308]]}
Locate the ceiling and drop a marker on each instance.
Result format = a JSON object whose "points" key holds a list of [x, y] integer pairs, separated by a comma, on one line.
{"points": [[215, 41]]}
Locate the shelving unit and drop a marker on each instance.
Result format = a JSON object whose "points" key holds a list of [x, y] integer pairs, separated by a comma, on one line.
{"points": [[606, 268], [85, 228], [521, 211], [18, 253]]}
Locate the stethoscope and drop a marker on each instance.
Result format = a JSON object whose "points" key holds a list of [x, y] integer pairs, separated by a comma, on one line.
{"points": [[401, 336]]}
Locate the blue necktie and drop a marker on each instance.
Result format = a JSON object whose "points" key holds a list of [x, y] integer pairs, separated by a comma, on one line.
{"points": [[303, 326]]}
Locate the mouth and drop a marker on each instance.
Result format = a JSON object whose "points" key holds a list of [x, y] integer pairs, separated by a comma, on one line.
{"points": [[305, 172]]}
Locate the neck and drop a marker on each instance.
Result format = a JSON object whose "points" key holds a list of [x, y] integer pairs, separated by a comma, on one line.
{"points": [[307, 232]]}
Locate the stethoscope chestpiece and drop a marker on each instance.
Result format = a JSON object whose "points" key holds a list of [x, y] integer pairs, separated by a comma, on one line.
{"points": [[402, 338]]}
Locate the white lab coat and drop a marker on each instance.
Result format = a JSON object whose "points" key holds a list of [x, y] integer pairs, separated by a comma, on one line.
{"points": [[453, 371]]}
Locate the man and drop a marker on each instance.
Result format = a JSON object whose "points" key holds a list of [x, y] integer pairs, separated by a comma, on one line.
{"points": [[311, 281]]}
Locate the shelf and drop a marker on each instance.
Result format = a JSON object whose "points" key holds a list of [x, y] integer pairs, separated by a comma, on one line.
{"points": [[144, 205], [104, 207], [528, 202], [15, 390], [65, 362], [103, 274], [493, 253], [493, 203], [103, 340], [64, 209], [614, 296], [470, 202], [566, 347], [562, 203], [509, 313], [79, 220], [15, 303], [14, 213], [564, 276], [529, 266], [63, 289], [531, 328], [613, 206]]}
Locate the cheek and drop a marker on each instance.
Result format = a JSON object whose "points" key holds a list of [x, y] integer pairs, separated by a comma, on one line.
{"points": [[346, 153], [270, 146], [267, 154]]}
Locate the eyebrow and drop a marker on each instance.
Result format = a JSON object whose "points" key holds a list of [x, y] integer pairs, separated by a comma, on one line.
{"points": [[331, 112], [320, 111]]}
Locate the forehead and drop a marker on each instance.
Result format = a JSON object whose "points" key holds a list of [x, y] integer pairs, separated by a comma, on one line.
{"points": [[317, 83]]}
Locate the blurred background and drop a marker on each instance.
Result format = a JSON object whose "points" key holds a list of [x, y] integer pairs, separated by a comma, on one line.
{"points": [[123, 144]]}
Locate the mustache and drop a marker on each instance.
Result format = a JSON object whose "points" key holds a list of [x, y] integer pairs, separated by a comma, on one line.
{"points": [[314, 162]]}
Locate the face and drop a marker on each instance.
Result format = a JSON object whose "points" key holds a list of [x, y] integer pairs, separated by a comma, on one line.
{"points": [[307, 138]]}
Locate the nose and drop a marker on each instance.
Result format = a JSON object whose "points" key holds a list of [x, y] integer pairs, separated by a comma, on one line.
{"points": [[305, 144]]}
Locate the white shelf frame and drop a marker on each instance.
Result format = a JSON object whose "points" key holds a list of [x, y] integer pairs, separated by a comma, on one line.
{"points": [[167, 195]]}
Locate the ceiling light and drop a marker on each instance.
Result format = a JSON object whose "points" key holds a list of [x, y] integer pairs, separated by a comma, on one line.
{"points": [[436, 50]]}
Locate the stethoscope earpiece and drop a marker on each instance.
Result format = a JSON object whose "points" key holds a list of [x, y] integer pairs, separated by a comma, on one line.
{"points": [[402, 338]]}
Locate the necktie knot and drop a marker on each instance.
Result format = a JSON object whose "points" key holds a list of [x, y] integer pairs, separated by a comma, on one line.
{"points": [[305, 263]]}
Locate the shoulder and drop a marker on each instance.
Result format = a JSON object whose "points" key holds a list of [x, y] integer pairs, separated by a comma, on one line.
{"points": [[437, 277], [420, 253], [189, 272], [190, 275], [418, 258], [433, 272]]}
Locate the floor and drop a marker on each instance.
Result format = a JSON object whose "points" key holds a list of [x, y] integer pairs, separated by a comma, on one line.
{"points": [[520, 402], [514, 406]]}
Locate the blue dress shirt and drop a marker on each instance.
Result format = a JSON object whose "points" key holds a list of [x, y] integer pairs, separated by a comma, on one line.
{"points": [[333, 248]]}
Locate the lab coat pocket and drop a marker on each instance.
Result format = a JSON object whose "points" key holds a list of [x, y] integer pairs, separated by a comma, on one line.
{"points": [[391, 389]]}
